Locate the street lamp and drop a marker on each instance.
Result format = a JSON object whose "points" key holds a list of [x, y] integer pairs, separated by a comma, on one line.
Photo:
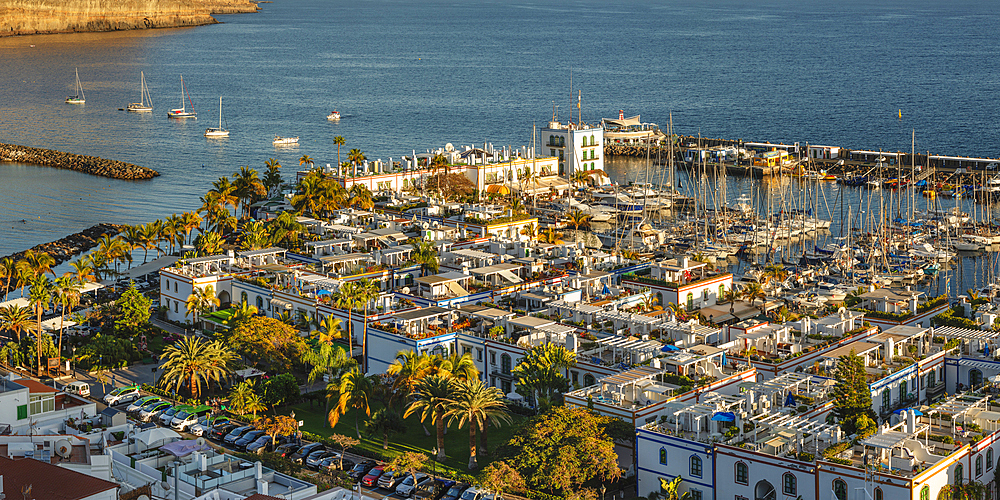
{"points": [[603, 490]]}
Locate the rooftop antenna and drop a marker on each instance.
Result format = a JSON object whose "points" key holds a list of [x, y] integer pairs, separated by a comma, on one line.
{"points": [[579, 100]]}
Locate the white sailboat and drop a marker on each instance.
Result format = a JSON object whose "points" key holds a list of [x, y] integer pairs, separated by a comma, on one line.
{"points": [[79, 98], [182, 111], [217, 131], [145, 104]]}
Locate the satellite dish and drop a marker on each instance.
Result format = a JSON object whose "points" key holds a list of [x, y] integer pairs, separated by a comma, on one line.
{"points": [[63, 448], [165, 485], [449, 147], [142, 497], [201, 441], [406, 290]]}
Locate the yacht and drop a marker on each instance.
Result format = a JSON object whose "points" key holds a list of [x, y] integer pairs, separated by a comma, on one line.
{"points": [[333, 116], [217, 131], [145, 104], [284, 141]]}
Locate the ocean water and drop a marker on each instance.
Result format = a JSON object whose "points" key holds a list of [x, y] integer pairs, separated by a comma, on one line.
{"points": [[415, 75]]}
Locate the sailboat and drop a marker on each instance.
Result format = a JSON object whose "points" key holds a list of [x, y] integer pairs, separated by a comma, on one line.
{"points": [[182, 111], [79, 98], [217, 131], [145, 104]]}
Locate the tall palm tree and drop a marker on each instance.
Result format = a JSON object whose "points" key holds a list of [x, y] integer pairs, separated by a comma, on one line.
{"points": [[407, 369], [352, 391], [149, 238], [754, 291], [191, 221], [248, 188], [425, 253], [531, 231], [456, 366], [38, 263], [285, 230], [67, 294], [16, 319], [172, 229], [40, 295], [242, 313], [83, 271], [132, 236], [8, 271], [731, 295], [432, 398], [578, 219], [366, 291], [551, 236], [346, 298], [208, 243], [326, 359], [356, 157], [328, 329], [436, 165], [339, 141], [474, 404], [272, 177], [361, 196], [306, 160], [201, 300], [384, 422], [196, 362]]}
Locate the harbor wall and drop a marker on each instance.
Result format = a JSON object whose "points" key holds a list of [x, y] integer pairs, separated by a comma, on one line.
{"points": [[64, 249], [29, 17], [81, 163]]}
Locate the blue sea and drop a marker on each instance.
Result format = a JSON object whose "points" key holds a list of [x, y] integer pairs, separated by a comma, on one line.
{"points": [[416, 75]]}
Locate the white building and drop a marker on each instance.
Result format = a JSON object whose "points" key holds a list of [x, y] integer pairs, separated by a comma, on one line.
{"points": [[578, 146]]}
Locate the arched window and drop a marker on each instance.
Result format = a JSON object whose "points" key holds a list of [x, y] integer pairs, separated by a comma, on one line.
{"points": [[593, 141], [663, 456], [789, 484], [243, 298], [925, 493], [505, 364], [690, 302], [885, 400], [975, 377], [260, 304], [840, 489], [722, 291], [764, 490], [704, 295], [979, 465], [589, 380], [878, 494], [695, 466], [959, 474], [742, 473], [930, 379], [903, 386], [989, 459]]}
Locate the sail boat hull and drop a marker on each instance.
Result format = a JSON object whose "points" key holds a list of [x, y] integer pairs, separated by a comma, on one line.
{"points": [[138, 107]]}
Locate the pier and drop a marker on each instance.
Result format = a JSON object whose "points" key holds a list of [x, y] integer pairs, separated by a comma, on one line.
{"points": [[92, 165]]}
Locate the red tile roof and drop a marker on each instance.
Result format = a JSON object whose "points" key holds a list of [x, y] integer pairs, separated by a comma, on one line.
{"points": [[48, 481], [34, 387]]}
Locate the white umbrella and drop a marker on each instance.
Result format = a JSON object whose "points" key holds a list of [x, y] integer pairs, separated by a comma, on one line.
{"points": [[155, 436], [995, 379], [513, 396]]}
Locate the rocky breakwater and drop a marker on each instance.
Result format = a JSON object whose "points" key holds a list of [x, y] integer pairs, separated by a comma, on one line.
{"points": [[28, 17], [64, 249], [81, 163]]}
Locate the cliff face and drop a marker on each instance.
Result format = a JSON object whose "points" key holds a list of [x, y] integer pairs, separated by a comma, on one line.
{"points": [[24, 17]]}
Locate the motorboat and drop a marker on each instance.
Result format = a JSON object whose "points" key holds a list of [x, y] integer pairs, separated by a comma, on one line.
{"points": [[333, 116], [927, 251], [284, 141]]}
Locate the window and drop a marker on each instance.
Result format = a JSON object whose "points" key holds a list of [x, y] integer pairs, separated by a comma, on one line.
{"points": [[959, 474], [243, 298], [575, 376], [975, 377], [742, 473], [930, 379], [840, 489], [493, 358], [903, 386], [505, 364], [479, 354], [175, 287], [789, 483], [175, 306], [695, 494], [589, 380], [42, 403], [663, 456], [989, 459], [878, 493], [925, 493], [22, 412], [695, 466], [466, 350], [979, 465], [593, 142], [505, 386], [260, 303], [690, 302], [764, 490], [885, 400]]}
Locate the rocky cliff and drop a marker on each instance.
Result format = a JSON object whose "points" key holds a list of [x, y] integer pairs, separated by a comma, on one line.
{"points": [[26, 17]]}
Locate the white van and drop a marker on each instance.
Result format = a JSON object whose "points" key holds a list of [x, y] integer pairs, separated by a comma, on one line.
{"points": [[78, 388]]}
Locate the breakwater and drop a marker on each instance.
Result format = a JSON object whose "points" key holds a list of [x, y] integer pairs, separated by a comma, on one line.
{"points": [[81, 163], [64, 249]]}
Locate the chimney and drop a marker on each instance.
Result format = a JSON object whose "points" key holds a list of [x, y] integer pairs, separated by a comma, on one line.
{"points": [[262, 487], [258, 470], [202, 461]]}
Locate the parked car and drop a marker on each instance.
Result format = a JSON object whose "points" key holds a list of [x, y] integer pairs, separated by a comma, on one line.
{"points": [[186, 418], [434, 489], [476, 494], [78, 388], [371, 479], [455, 492], [360, 469], [286, 450], [139, 403], [168, 415], [236, 434], [122, 395], [206, 423], [152, 411], [407, 487], [303, 452], [390, 479], [220, 431], [259, 445], [333, 464], [245, 440], [315, 458]]}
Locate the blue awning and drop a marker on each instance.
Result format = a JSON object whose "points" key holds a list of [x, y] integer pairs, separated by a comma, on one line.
{"points": [[724, 416], [914, 410], [669, 347]]}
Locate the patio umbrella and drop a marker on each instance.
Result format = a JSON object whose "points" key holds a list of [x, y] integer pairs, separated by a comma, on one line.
{"points": [[790, 400], [995, 378]]}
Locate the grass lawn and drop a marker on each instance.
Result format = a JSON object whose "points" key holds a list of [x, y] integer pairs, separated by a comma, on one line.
{"points": [[456, 441]]}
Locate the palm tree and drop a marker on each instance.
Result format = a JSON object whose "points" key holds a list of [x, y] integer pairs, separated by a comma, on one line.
{"points": [[356, 157], [361, 196], [242, 313], [190, 221], [366, 291], [244, 399], [40, 295], [195, 361], [352, 391], [474, 403], [149, 237], [248, 188], [731, 295], [346, 298], [272, 178], [531, 231], [754, 291], [552, 237], [201, 300], [285, 230], [407, 369], [456, 366], [8, 270], [255, 236], [431, 400], [172, 229], [83, 271], [67, 294], [385, 422], [776, 272], [38, 263], [208, 243], [425, 253], [339, 141], [132, 236], [16, 319], [438, 163], [578, 219], [326, 359]]}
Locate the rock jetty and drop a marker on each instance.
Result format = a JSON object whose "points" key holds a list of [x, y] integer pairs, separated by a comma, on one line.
{"points": [[64, 249], [81, 163]]}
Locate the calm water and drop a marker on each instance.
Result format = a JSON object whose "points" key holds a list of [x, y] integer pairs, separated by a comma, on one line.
{"points": [[414, 75]]}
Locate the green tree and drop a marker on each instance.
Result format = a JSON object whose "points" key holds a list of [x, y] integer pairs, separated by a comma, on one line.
{"points": [[244, 399], [383, 423], [339, 141], [132, 310], [278, 425], [563, 449], [201, 300], [107, 350], [16, 319], [281, 389], [425, 253], [754, 291], [196, 362], [541, 370], [410, 462], [267, 342], [40, 294], [366, 291], [475, 404], [499, 477], [852, 396], [346, 297], [344, 443], [431, 400], [352, 391]]}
